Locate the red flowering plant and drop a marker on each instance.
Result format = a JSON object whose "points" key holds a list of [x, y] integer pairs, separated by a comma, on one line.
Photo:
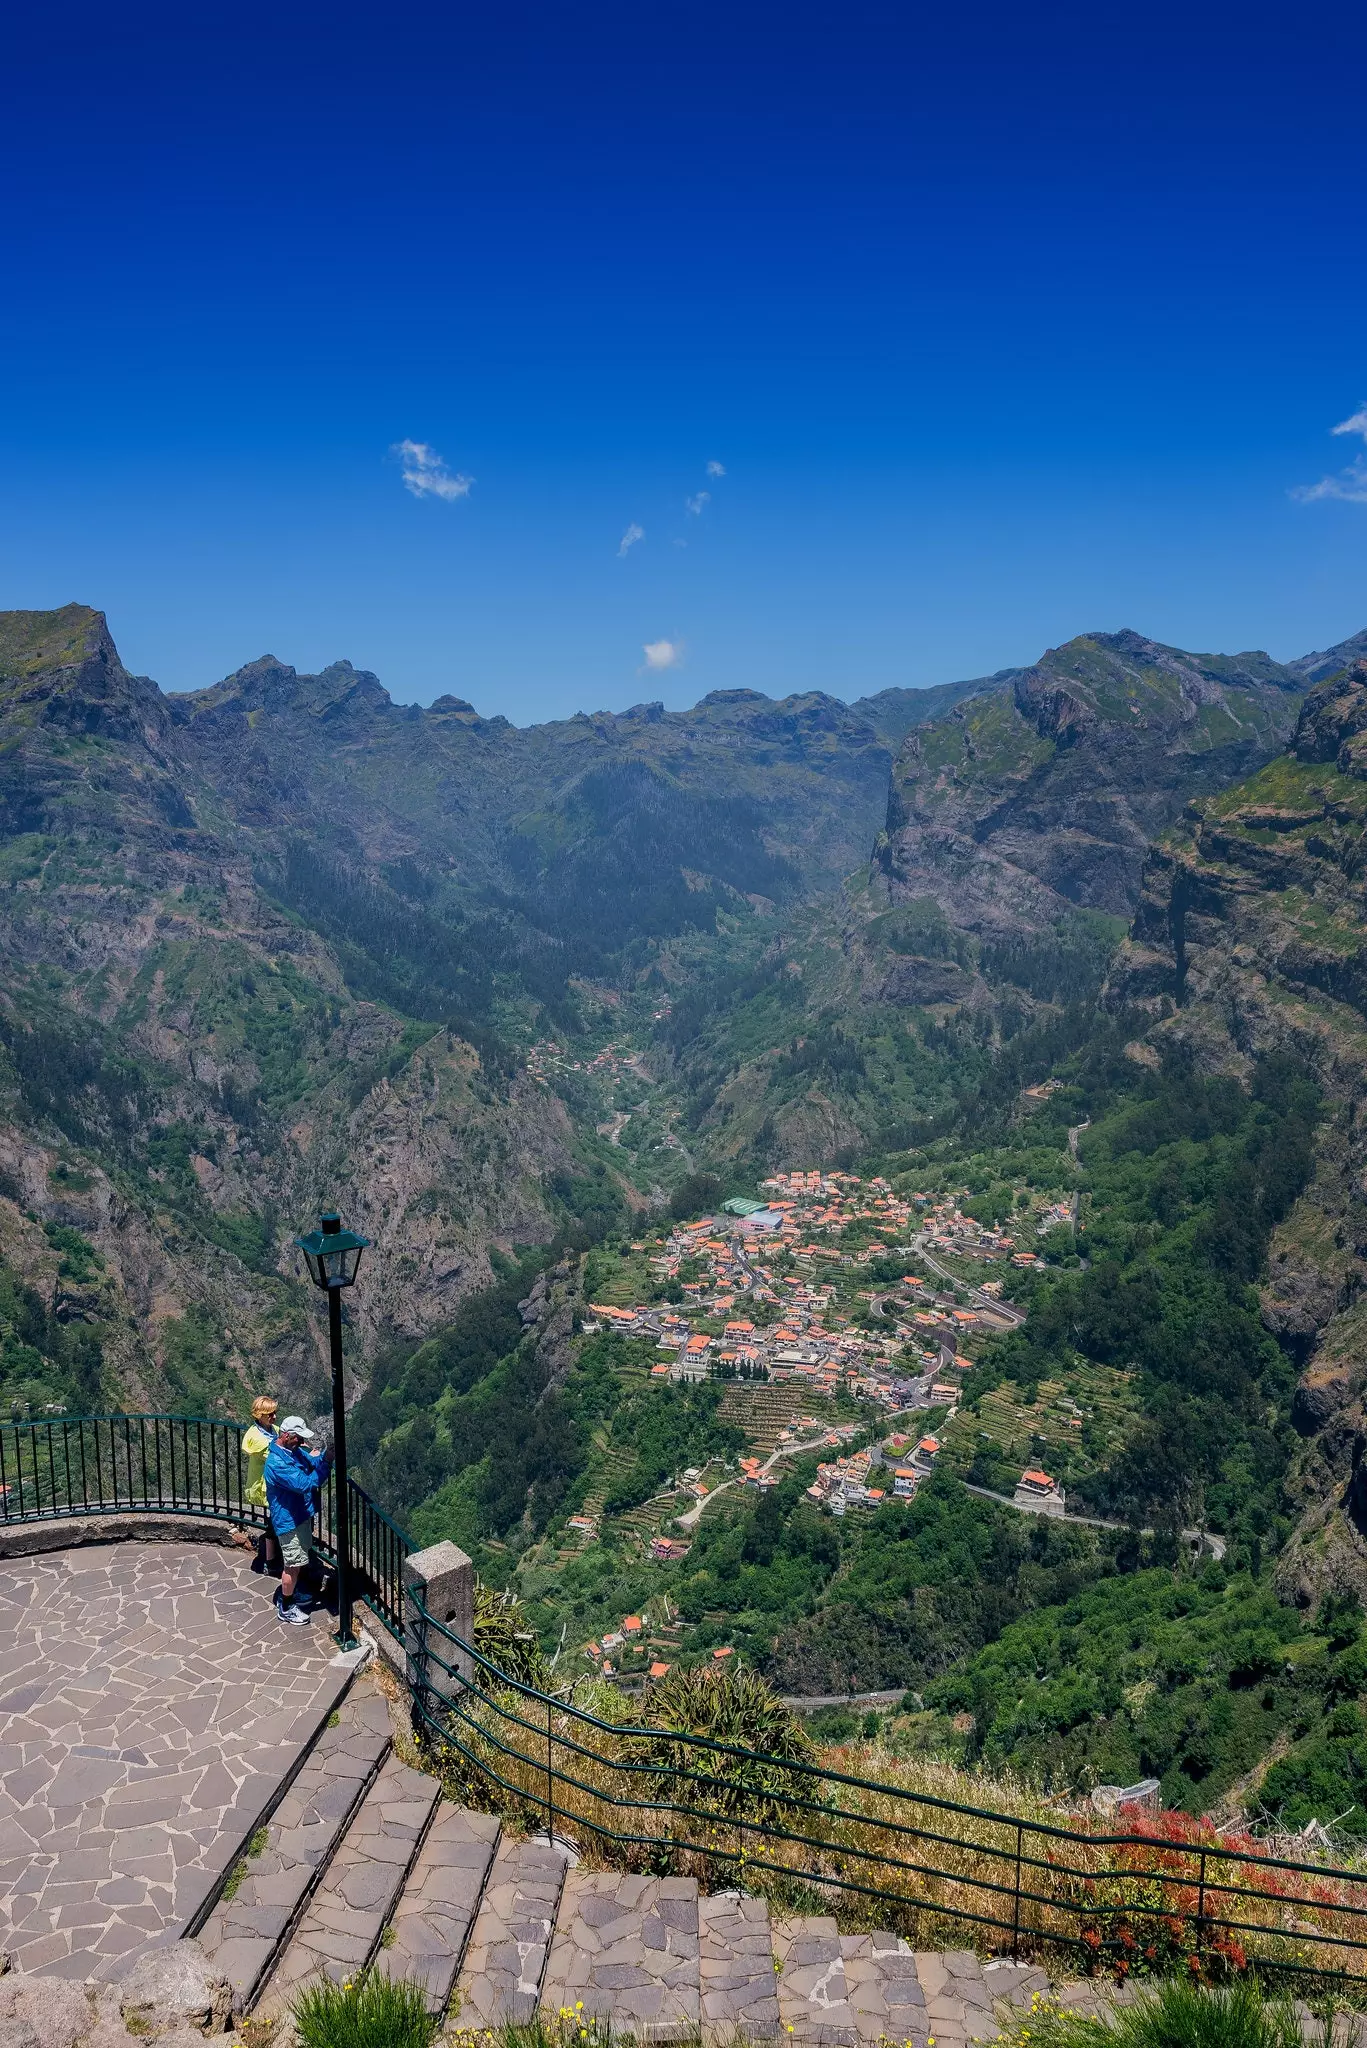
{"points": [[1174, 1890]]}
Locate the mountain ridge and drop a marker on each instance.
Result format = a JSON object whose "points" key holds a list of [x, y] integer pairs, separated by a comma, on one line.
{"points": [[1043, 795]]}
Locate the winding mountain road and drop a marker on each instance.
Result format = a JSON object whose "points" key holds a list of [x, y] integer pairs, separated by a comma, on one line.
{"points": [[990, 1302]]}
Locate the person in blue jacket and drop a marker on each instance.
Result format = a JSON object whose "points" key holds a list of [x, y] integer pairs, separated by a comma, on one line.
{"points": [[296, 1474]]}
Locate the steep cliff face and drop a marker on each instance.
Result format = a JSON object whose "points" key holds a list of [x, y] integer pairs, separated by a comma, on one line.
{"points": [[1251, 937], [1044, 794]]}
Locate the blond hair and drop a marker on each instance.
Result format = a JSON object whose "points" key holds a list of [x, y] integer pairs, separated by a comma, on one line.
{"points": [[263, 1408]]}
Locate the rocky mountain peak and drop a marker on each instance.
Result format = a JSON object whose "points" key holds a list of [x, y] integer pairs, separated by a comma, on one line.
{"points": [[1333, 722], [40, 643], [264, 684], [65, 662], [340, 688], [1328, 661]]}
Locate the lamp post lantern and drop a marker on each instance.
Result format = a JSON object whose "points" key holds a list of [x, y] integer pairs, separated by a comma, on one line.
{"points": [[333, 1256]]}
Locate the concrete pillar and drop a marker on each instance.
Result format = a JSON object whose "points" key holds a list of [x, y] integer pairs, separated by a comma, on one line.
{"points": [[444, 1577]]}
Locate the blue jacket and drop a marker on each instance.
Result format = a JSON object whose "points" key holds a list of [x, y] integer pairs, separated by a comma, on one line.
{"points": [[295, 1479]]}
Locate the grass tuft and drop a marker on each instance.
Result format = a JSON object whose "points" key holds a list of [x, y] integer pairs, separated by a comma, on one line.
{"points": [[365, 2012], [571, 2027], [1181, 2014]]}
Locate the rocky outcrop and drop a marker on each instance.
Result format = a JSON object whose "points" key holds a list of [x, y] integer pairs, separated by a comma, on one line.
{"points": [[87, 744], [169, 1998], [909, 978], [1045, 794]]}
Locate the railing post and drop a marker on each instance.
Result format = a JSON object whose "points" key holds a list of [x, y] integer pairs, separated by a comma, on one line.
{"points": [[1201, 1907], [550, 1781], [1016, 1918], [441, 1580]]}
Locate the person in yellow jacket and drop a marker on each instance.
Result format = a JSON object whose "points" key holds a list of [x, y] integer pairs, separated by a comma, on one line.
{"points": [[257, 1439]]}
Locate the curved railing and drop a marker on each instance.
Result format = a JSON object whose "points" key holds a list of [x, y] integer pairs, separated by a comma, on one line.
{"points": [[668, 1800], [179, 1465]]}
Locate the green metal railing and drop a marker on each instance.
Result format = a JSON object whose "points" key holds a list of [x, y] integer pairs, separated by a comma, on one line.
{"points": [[936, 1870], [667, 1800]]}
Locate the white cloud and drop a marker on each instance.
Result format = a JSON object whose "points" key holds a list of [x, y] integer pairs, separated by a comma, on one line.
{"points": [[1356, 423], [1350, 484], [630, 538], [698, 503], [663, 654], [716, 469], [425, 473]]}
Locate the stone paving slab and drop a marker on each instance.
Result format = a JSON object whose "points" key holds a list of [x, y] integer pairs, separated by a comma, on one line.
{"points": [[738, 1987], [437, 1909], [506, 1960], [813, 1992], [150, 1704], [958, 1998], [626, 1949], [344, 1919], [851, 1990], [884, 1989], [1011, 1986], [242, 1934]]}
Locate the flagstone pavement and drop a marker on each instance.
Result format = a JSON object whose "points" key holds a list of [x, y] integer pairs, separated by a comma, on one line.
{"points": [[150, 1703]]}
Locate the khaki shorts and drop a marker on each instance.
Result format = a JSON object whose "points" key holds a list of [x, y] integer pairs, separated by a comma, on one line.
{"points": [[296, 1548]]}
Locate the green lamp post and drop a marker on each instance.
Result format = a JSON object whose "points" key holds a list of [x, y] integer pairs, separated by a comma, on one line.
{"points": [[333, 1255]]}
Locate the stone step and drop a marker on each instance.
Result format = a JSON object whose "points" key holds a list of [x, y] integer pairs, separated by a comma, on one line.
{"points": [[500, 1978], [626, 1950], [1014, 1984], [845, 1990], [243, 1933], [885, 1989], [813, 1995], [346, 1915], [436, 1910], [738, 1988], [959, 1997]]}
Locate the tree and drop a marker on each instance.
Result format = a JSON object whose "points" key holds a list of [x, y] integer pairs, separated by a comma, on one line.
{"points": [[694, 1196]]}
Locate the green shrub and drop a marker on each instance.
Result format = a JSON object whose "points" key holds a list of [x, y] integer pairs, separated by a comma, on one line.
{"points": [[365, 2012], [1182, 2014], [504, 1635], [736, 1708]]}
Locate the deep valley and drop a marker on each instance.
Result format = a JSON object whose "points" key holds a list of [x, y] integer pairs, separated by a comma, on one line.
{"points": [[875, 1191]]}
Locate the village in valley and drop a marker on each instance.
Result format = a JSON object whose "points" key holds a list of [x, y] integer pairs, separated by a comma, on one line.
{"points": [[838, 1318]]}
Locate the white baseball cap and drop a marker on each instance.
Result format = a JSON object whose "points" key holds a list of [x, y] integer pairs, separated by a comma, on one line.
{"points": [[295, 1425]]}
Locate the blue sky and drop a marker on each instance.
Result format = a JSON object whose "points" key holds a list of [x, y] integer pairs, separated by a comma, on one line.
{"points": [[1001, 327]]}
